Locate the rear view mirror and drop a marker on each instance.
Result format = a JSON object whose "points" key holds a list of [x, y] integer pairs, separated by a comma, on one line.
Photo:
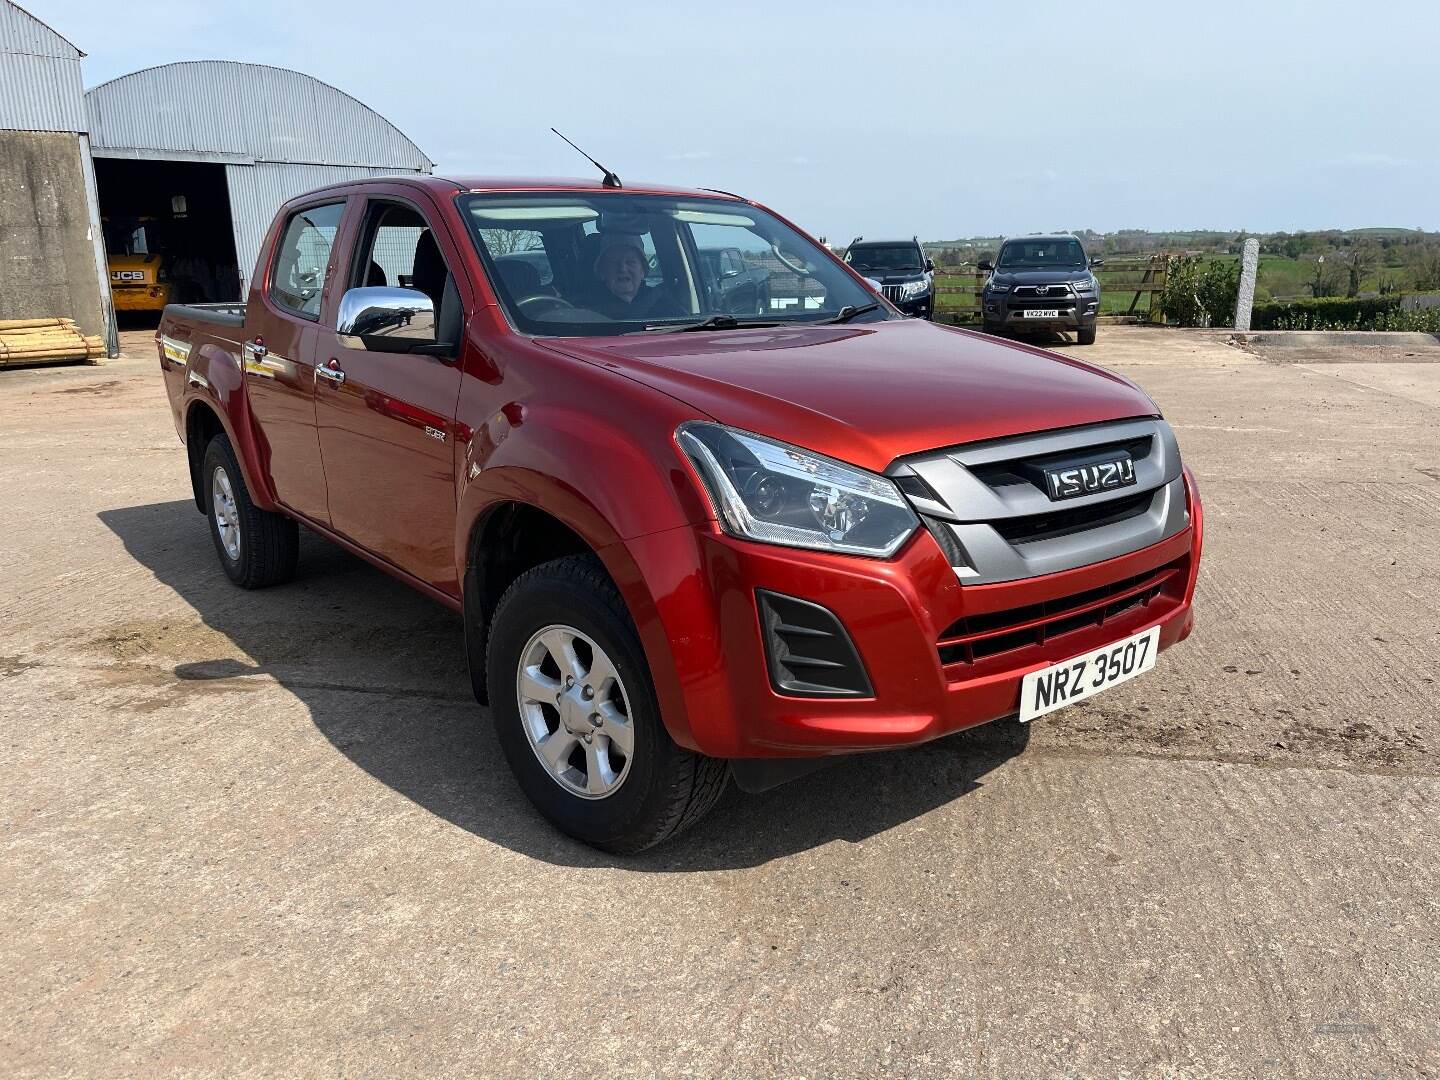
{"points": [[986, 265], [386, 320]]}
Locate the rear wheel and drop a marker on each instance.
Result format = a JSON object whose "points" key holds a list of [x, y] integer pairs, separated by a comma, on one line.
{"points": [[576, 715], [1085, 335], [256, 548]]}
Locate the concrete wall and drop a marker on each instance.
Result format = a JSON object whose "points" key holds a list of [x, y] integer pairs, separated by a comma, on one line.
{"points": [[47, 246]]}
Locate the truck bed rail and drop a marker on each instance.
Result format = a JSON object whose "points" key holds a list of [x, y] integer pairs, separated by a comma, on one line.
{"points": [[220, 314]]}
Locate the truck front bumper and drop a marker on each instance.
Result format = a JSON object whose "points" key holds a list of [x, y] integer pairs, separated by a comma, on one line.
{"points": [[718, 691], [1071, 313]]}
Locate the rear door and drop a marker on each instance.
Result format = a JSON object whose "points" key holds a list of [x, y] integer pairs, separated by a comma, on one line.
{"points": [[386, 420], [281, 323]]}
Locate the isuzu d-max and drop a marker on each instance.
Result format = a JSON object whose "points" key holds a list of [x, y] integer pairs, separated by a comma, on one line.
{"points": [[687, 543]]}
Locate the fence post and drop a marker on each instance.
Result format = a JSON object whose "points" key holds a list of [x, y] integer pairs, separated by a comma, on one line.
{"points": [[1245, 302], [1157, 299]]}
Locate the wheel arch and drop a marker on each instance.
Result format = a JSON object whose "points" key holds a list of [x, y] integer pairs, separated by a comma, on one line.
{"points": [[203, 421], [512, 535], [223, 407]]}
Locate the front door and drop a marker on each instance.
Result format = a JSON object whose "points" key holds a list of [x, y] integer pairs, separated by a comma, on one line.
{"points": [[283, 316], [386, 420]]}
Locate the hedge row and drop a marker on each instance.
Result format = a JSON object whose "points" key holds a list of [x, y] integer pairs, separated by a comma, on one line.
{"points": [[1340, 313]]}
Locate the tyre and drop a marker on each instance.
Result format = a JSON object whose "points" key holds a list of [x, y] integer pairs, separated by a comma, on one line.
{"points": [[576, 716], [256, 548], [991, 328], [1085, 335]]}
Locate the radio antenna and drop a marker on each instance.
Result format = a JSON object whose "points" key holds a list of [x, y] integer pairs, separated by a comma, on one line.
{"points": [[611, 180]]}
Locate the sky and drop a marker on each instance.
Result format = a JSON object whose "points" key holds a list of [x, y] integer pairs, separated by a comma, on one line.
{"points": [[938, 119]]}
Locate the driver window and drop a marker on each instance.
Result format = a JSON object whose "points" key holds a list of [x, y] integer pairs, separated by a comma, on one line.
{"points": [[387, 257], [399, 251]]}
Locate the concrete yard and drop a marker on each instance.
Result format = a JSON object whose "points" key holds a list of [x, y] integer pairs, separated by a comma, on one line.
{"points": [[270, 834]]}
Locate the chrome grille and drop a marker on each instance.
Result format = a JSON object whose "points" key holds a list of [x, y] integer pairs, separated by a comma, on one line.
{"points": [[893, 293], [1057, 291], [987, 506]]}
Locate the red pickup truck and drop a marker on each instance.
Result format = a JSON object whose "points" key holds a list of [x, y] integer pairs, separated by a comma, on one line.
{"points": [[692, 537]]}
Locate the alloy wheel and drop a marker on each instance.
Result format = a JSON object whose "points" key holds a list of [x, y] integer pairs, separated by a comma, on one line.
{"points": [[227, 515], [575, 712]]}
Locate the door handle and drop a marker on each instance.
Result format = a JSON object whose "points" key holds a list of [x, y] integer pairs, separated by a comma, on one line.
{"points": [[330, 372]]}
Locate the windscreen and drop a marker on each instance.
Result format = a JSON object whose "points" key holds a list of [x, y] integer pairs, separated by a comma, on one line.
{"points": [[890, 258], [577, 264], [1041, 254]]}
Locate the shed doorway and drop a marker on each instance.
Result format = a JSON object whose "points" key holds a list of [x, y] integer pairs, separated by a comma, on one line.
{"points": [[169, 235]]}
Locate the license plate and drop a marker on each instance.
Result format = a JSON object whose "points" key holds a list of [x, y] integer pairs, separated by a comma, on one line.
{"points": [[1041, 313], [1085, 676]]}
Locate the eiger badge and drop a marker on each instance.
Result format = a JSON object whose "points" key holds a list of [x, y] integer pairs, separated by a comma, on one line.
{"points": [[1072, 481], [435, 433]]}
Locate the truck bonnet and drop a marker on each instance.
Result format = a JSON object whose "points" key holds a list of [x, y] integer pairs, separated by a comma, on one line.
{"points": [[869, 393]]}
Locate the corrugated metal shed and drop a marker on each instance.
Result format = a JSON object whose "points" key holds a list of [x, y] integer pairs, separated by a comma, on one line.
{"points": [[40, 87], [42, 106], [278, 133], [218, 110]]}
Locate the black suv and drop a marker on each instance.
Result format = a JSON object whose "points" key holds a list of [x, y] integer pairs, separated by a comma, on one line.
{"points": [[1042, 282], [899, 271]]}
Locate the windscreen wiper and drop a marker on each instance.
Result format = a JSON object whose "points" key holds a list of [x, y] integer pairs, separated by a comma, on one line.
{"points": [[849, 311], [714, 322]]}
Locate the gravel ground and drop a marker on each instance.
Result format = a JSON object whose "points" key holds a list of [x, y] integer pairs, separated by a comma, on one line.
{"points": [[270, 834]]}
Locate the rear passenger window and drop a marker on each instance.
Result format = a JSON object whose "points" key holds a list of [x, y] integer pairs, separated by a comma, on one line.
{"points": [[303, 254]]}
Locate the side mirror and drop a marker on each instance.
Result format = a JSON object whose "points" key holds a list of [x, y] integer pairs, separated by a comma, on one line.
{"points": [[930, 265], [986, 265], [383, 319], [1096, 262]]}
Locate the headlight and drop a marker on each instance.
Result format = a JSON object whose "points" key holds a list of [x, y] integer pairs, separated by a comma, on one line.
{"points": [[991, 285], [778, 494], [1089, 285], [912, 289]]}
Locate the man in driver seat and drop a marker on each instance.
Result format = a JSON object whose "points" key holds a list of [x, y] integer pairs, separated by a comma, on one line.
{"points": [[620, 268]]}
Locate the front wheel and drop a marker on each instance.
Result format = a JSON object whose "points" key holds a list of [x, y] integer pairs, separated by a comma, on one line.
{"points": [[1085, 335], [576, 715]]}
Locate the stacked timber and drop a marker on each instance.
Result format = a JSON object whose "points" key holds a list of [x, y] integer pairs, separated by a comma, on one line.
{"points": [[32, 341]]}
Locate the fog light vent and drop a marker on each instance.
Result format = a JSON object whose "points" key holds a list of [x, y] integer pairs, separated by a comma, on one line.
{"points": [[809, 652]]}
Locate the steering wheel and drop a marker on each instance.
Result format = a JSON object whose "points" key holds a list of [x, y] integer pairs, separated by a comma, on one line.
{"points": [[803, 271], [544, 298]]}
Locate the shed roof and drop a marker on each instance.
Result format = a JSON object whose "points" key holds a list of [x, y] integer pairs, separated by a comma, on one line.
{"points": [[39, 75], [223, 110], [23, 33]]}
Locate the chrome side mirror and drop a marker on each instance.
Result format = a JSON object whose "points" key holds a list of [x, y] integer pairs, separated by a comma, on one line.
{"points": [[383, 319]]}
